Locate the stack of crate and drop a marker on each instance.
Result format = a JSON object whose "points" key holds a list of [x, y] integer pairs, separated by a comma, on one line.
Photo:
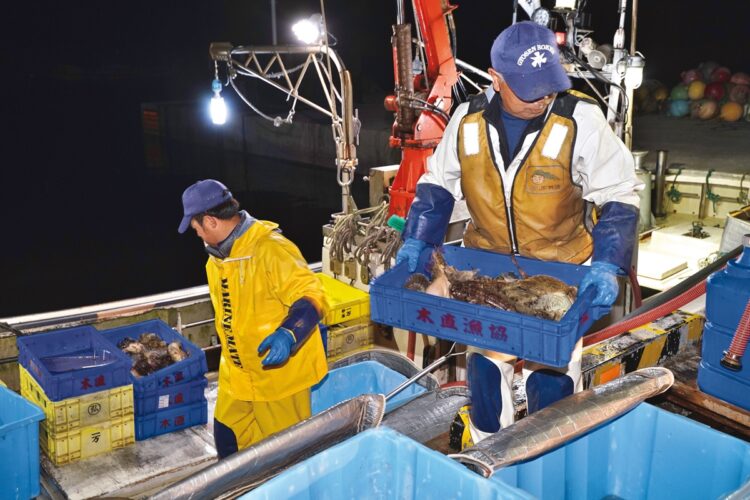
{"points": [[83, 387], [172, 398], [346, 327]]}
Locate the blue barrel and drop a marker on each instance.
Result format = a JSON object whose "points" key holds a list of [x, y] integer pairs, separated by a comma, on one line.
{"points": [[727, 295]]}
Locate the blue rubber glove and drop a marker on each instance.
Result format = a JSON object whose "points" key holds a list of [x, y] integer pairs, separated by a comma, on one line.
{"points": [[280, 342], [602, 275], [410, 251]]}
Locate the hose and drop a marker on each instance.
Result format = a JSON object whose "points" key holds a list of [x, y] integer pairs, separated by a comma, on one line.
{"points": [[637, 296], [733, 357], [662, 303]]}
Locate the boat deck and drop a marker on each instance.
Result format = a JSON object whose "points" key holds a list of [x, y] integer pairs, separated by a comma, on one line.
{"points": [[694, 144], [685, 398], [138, 470]]}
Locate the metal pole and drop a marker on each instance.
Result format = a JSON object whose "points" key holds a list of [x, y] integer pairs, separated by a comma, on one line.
{"points": [[406, 383], [628, 132], [400, 11], [273, 22], [661, 179], [633, 26]]}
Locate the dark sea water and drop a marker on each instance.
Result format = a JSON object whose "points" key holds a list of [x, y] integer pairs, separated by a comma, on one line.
{"points": [[87, 222]]}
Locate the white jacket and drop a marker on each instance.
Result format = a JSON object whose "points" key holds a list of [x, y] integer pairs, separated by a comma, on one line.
{"points": [[602, 164]]}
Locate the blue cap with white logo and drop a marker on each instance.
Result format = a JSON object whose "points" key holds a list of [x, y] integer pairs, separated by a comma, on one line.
{"points": [[527, 56]]}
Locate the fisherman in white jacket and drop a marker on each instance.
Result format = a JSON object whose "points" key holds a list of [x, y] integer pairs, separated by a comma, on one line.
{"points": [[532, 159]]}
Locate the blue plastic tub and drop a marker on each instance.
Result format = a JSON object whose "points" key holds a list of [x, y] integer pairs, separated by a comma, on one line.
{"points": [[191, 368], [713, 378], [170, 420], [545, 341], [381, 464], [19, 446], [646, 453], [170, 397], [34, 351], [366, 377], [727, 295]]}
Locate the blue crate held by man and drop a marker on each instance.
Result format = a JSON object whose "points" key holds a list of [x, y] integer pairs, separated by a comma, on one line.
{"points": [[73, 362], [537, 339]]}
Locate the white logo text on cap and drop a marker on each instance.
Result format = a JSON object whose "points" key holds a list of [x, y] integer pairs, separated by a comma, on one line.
{"points": [[536, 61]]}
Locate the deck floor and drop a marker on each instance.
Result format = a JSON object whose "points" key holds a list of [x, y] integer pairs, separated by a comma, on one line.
{"points": [[694, 144]]}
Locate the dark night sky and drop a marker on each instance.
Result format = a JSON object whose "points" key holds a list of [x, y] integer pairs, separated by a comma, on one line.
{"points": [[76, 201]]}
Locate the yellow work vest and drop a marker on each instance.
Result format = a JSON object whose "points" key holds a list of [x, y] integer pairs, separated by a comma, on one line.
{"points": [[546, 215], [252, 291]]}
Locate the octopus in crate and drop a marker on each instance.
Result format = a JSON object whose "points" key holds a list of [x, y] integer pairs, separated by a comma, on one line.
{"points": [[150, 353], [541, 295]]}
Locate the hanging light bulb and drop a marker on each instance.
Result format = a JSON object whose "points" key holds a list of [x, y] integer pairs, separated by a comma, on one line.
{"points": [[634, 71], [218, 108], [310, 30]]}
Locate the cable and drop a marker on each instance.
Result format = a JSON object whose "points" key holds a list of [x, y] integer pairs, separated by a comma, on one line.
{"points": [[277, 121], [426, 106]]}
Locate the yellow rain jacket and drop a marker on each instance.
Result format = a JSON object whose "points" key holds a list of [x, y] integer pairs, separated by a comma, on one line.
{"points": [[252, 291]]}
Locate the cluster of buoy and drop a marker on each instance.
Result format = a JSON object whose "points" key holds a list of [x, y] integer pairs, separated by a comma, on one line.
{"points": [[706, 92]]}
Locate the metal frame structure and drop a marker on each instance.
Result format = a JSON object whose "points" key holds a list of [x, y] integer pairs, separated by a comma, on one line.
{"points": [[266, 63]]}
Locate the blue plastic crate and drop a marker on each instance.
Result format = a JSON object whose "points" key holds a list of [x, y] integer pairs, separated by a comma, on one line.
{"points": [[170, 420], [377, 464], [545, 341], [19, 446], [170, 397], [191, 368], [646, 453], [35, 350], [366, 377]]}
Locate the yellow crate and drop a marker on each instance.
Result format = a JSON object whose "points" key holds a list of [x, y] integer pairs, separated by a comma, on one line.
{"points": [[74, 413], [349, 337], [65, 447], [346, 302]]}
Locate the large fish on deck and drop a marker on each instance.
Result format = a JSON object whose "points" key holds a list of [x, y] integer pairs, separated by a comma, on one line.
{"points": [[564, 421]]}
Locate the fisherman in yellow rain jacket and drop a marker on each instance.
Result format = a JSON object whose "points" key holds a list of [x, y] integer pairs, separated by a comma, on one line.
{"points": [[267, 304]]}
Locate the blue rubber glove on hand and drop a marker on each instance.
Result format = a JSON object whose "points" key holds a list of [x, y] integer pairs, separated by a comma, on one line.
{"points": [[410, 251], [280, 342], [602, 275]]}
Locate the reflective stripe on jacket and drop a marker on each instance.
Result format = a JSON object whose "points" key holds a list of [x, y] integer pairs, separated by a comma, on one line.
{"points": [[252, 291], [545, 218]]}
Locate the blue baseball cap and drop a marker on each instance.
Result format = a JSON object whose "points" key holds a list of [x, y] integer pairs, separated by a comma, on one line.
{"points": [[527, 56], [200, 197]]}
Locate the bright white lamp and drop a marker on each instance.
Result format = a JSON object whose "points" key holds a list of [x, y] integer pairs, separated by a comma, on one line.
{"points": [[634, 71], [310, 30], [218, 108], [566, 4]]}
